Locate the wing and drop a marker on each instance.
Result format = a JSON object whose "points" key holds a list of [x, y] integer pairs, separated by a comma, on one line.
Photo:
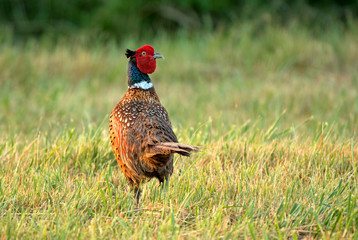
{"points": [[150, 126]]}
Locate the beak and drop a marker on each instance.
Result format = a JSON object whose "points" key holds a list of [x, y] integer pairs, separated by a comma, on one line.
{"points": [[157, 55]]}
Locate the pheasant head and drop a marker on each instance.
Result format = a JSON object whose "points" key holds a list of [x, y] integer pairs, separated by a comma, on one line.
{"points": [[145, 58]]}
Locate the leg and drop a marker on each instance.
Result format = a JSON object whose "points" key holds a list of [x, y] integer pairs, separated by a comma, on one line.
{"points": [[164, 182], [136, 189], [137, 193]]}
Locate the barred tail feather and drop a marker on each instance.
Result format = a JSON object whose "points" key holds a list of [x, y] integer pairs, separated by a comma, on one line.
{"points": [[172, 147]]}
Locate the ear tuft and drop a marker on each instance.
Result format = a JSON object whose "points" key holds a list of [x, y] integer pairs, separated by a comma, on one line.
{"points": [[129, 53]]}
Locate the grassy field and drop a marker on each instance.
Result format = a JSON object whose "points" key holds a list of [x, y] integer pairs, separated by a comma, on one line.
{"points": [[275, 110]]}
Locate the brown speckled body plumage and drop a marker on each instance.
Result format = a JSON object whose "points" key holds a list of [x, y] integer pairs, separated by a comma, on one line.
{"points": [[138, 123], [142, 137]]}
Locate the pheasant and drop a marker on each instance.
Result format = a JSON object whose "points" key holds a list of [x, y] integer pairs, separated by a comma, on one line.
{"points": [[141, 134]]}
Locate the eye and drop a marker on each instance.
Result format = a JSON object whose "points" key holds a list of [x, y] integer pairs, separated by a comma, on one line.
{"points": [[144, 53]]}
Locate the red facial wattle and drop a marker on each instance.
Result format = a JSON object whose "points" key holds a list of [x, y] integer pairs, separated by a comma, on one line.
{"points": [[146, 64]]}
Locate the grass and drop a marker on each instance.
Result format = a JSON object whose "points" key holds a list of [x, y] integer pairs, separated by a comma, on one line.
{"points": [[275, 109]]}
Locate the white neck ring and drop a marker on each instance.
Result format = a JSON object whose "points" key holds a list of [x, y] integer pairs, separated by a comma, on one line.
{"points": [[143, 85]]}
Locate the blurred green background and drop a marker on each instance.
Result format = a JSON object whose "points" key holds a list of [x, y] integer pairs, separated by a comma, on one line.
{"points": [[141, 18]]}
